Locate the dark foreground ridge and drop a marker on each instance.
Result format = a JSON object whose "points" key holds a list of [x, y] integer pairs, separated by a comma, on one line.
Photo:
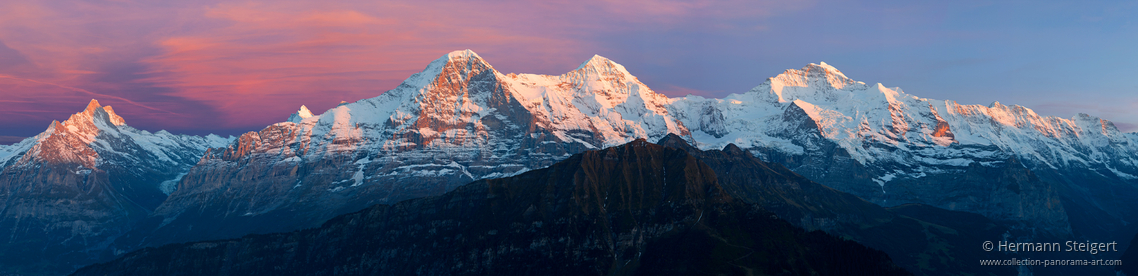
{"points": [[638, 208]]}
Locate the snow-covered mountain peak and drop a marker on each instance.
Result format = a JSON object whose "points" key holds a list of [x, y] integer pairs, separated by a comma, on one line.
{"points": [[70, 141], [95, 111], [463, 54], [1091, 123], [304, 112], [92, 105], [88, 137], [300, 115], [465, 59], [87, 124], [114, 118], [452, 68], [814, 75], [823, 69], [604, 68], [456, 61], [813, 83], [598, 61]]}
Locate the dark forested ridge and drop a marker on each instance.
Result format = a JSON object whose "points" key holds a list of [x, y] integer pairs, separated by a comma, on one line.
{"points": [[638, 208]]}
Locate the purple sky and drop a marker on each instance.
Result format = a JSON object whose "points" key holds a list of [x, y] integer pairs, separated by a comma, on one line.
{"points": [[236, 66]]}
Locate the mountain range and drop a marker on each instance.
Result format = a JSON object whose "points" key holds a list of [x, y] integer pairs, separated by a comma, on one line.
{"points": [[459, 121]]}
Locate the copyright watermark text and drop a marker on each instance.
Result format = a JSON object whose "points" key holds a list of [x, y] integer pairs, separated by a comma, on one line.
{"points": [[1092, 248], [1046, 263]]}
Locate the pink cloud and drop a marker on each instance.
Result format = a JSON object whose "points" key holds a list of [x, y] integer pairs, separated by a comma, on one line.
{"points": [[301, 55]]}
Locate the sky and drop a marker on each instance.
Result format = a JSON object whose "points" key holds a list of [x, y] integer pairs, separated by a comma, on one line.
{"points": [[227, 67]]}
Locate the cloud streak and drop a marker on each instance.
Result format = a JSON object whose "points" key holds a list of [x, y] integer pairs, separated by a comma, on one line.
{"points": [[84, 91]]}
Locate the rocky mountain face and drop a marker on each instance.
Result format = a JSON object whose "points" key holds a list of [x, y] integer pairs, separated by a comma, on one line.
{"points": [[638, 209], [69, 191]]}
